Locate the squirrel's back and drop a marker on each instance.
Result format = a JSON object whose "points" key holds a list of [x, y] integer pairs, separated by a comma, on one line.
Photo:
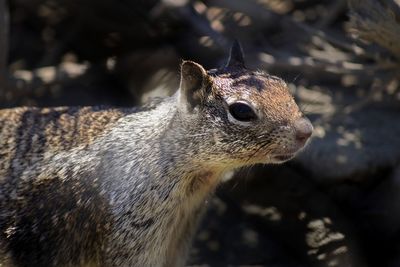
{"points": [[28, 131], [58, 128]]}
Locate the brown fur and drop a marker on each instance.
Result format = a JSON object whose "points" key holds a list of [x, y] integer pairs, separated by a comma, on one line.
{"points": [[121, 187], [62, 127]]}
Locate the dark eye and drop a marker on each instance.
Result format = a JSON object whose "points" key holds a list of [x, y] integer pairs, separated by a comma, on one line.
{"points": [[242, 112]]}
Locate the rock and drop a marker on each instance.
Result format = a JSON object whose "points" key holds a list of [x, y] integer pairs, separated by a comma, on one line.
{"points": [[228, 238], [351, 138], [375, 210], [275, 216]]}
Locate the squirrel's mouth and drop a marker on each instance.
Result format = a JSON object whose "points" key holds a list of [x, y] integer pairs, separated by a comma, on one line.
{"points": [[286, 154], [283, 157]]}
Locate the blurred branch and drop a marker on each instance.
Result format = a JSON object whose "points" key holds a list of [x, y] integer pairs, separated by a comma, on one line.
{"points": [[335, 8], [250, 8], [285, 62], [4, 22], [394, 6], [25, 83], [202, 25], [337, 40], [268, 17], [55, 53], [373, 22]]}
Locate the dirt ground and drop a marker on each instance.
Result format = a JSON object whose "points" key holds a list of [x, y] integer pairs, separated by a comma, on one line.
{"points": [[338, 203]]}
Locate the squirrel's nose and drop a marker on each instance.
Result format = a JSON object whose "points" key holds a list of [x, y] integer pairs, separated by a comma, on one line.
{"points": [[304, 129]]}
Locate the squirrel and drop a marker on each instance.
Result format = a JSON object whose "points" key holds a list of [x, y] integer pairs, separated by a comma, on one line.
{"points": [[98, 186]]}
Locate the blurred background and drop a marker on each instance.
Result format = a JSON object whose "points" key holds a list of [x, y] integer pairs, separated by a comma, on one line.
{"points": [[338, 203]]}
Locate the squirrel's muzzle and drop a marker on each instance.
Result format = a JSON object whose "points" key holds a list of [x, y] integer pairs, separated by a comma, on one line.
{"points": [[303, 130]]}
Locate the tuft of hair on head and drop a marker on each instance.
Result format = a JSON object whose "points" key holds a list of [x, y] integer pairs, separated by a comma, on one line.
{"points": [[236, 58]]}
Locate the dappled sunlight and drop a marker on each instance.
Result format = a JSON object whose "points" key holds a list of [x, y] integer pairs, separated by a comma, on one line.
{"points": [[250, 238], [320, 235], [49, 75], [160, 84], [206, 41], [348, 138], [241, 19], [270, 213], [266, 58]]}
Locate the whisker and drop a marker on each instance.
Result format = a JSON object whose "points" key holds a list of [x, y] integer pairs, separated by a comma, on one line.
{"points": [[258, 150], [295, 78]]}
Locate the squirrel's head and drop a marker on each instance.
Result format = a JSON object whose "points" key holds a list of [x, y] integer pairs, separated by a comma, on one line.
{"points": [[245, 116]]}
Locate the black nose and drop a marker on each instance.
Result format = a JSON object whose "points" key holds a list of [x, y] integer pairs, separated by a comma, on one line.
{"points": [[304, 129]]}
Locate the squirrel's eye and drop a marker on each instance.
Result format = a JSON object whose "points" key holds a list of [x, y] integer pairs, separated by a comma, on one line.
{"points": [[242, 112]]}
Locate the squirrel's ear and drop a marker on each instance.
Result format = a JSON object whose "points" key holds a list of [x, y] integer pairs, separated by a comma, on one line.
{"points": [[193, 84], [236, 55]]}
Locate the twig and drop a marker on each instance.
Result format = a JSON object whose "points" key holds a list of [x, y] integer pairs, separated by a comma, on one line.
{"points": [[373, 22], [335, 9], [23, 83], [284, 62], [202, 26], [394, 6], [251, 8], [55, 52], [259, 12]]}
